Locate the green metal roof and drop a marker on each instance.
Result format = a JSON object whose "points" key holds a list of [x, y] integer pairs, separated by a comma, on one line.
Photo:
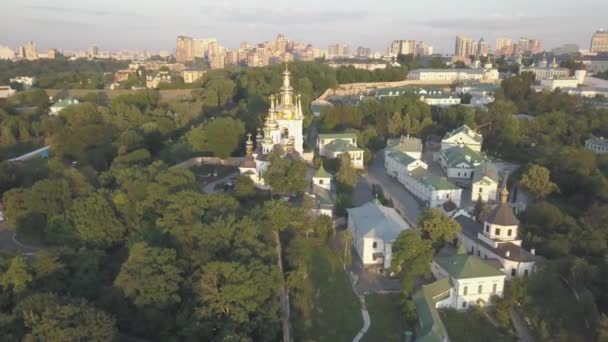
{"points": [[404, 144], [338, 136], [467, 266], [431, 326], [341, 146], [485, 170], [64, 103], [466, 130], [431, 180], [402, 158], [321, 173], [462, 154]]}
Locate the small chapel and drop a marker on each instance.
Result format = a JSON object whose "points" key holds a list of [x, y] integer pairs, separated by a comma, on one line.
{"points": [[282, 133]]}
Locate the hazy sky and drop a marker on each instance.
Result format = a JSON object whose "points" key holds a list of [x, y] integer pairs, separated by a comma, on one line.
{"points": [[154, 24]]}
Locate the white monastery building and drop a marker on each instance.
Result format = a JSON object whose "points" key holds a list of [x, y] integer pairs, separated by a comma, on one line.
{"points": [[374, 227], [333, 145]]}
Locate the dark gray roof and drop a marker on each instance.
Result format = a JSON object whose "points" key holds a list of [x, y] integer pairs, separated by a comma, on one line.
{"points": [[502, 215], [471, 229]]}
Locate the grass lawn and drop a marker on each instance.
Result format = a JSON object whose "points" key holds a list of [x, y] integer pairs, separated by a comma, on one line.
{"points": [[471, 326], [388, 323], [335, 313]]}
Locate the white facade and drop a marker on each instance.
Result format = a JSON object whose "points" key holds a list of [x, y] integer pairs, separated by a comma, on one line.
{"points": [[6, 92], [373, 228], [428, 190], [485, 188], [26, 82], [441, 101], [597, 145], [467, 292], [333, 145], [454, 75]]}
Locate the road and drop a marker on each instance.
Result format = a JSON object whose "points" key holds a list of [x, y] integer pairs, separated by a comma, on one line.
{"points": [[210, 188], [408, 206], [523, 333]]}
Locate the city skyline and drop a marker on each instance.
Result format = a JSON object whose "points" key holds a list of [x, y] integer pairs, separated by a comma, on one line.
{"points": [[115, 25]]}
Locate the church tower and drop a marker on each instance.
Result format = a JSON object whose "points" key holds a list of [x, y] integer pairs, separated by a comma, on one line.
{"points": [[501, 224], [289, 115]]}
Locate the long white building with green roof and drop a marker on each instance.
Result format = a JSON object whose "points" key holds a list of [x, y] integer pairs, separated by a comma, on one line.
{"points": [[432, 189], [462, 136]]}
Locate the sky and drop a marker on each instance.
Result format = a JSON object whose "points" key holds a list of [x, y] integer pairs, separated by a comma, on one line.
{"points": [[154, 24]]}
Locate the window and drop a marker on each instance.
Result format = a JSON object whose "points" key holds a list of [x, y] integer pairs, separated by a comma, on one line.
{"points": [[509, 232], [374, 257], [494, 286], [374, 245], [464, 304], [487, 228], [478, 252], [479, 289], [497, 231], [320, 181], [285, 133], [480, 189], [513, 272], [472, 249], [525, 273], [458, 174], [465, 290]]}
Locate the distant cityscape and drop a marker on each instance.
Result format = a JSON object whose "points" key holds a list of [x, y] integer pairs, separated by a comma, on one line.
{"points": [[282, 49]]}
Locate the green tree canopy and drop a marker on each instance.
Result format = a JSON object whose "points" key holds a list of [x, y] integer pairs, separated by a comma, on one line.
{"points": [[95, 220], [437, 226], [346, 175], [537, 181], [285, 176], [150, 275], [220, 137]]}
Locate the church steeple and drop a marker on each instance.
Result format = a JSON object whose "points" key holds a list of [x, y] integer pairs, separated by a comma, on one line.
{"points": [[286, 89]]}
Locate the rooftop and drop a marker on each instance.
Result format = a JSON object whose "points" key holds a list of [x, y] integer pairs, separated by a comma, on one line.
{"points": [[321, 173], [404, 144], [431, 180], [402, 158], [466, 130], [373, 220], [485, 170], [462, 154], [339, 145], [338, 136], [462, 266], [431, 326], [471, 229], [597, 141]]}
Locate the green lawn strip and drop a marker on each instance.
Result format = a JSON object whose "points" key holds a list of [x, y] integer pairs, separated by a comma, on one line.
{"points": [[472, 326], [336, 314], [387, 321]]}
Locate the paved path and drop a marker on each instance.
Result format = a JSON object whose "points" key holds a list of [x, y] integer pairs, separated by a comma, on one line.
{"points": [[10, 244], [210, 188], [366, 321], [408, 206], [523, 333]]}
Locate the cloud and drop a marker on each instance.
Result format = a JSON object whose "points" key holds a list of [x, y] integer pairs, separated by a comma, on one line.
{"points": [[77, 11], [493, 23], [283, 16]]}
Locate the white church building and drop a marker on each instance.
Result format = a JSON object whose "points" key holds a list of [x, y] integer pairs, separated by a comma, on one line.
{"points": [[282, 133]]}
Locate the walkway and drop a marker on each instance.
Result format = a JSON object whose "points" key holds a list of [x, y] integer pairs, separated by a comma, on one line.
{"points": [[9, 243], [366, 320], [210, 188], [523, 333]]}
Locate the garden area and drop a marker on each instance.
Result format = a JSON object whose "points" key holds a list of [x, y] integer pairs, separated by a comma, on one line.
{"points": [[387, 320], [472, 326], [325, 308]]}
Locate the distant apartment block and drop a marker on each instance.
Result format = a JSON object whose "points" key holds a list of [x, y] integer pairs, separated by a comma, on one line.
{"points": [[599, 41]]}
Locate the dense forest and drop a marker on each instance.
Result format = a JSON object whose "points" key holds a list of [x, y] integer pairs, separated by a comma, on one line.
{"points": [[134, 248]]}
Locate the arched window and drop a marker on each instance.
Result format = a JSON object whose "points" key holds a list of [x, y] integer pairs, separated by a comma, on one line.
{"points": [[285, 133]]}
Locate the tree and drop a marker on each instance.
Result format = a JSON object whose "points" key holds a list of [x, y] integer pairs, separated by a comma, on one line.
{"points": [[236, 291], [411, 255], [396, 124], [437, 226], [244, 187], [323, 227], [56, 319], [346, 175], [537, 181], [218, 92], [285, 176], [95, 220], [219, 137], [481, 210], [150, 275], [18, 275]]}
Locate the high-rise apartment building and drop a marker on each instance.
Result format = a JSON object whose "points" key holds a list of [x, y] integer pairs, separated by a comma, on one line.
{"points": [[184, 49], [363, 52], [424, 49], [337, 51], [6, 52], [231, 57], [599, 41], [504, 46], [28, 51], [523, 46], [280, 44], [482, 48], [465, 46], [535, 46], [402, 47]]}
